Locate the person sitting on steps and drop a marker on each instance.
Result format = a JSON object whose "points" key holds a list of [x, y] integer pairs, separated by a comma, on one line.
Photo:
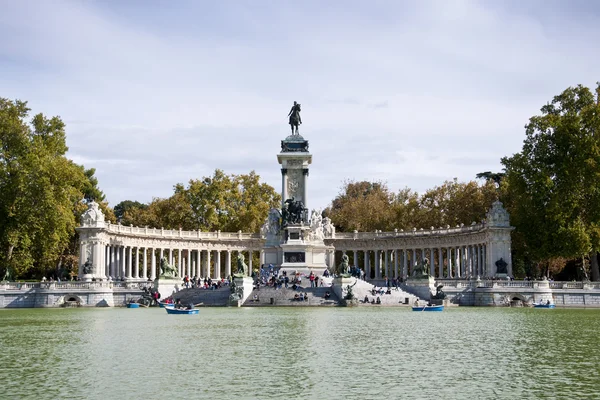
{"points": [[366, 300], [378, 300]]}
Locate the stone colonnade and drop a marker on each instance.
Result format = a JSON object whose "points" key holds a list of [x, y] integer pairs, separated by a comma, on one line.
{"points": [[452, 262], [124, 262]]}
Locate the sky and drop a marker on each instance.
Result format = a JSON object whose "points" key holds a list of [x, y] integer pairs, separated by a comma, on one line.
{"points": [[411, 93]]}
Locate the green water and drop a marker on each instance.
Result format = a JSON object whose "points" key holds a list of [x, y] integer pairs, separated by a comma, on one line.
{"points": [[303, 353]]}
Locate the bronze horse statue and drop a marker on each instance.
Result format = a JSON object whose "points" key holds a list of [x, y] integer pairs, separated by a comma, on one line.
{"points": [[295, 120]]}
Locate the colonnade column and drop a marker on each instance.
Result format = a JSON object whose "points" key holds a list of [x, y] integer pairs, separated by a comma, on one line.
{"points": [[396, 264], [145, 264], [449, 266], [404, 264], [136, 267], [189, 263], [153, 264], [208, 264], [457, 262], [228, 263], [366, 264], [441, 263], [387, 264], [218, 265], [250, 262]]}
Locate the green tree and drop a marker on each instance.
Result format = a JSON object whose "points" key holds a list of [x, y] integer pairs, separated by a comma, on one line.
{"points": [[125, 206], [363, 206], [220, 202], [39, 189], [552, 189]]}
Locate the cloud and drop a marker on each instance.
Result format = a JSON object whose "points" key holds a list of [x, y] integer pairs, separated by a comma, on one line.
{"points": [[409, 93]]}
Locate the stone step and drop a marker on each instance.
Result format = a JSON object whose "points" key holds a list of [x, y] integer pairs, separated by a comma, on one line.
{"points": [[285, 297], [206, 297]]}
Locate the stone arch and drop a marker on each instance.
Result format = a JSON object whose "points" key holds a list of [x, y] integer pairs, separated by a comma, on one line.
{"points": [[517, 299], [70, 300]]}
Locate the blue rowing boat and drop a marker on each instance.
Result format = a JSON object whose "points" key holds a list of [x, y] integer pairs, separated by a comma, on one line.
{"points": [[428, 308], [171, 310], [133, 305], [166, 305], [544, 306]]}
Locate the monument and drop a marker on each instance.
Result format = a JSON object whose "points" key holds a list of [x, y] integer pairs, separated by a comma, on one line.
{"points": [[294, 238], [168, 282]]}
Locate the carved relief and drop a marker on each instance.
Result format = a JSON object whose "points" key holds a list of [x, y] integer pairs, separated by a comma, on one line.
{"points": [[295, 184]]}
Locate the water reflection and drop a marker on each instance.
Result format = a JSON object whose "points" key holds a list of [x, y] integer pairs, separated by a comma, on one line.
{"points": [[299, 353]]}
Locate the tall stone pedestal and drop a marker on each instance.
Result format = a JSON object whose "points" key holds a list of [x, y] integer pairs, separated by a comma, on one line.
{"points": [[167, 286], [340, 285], [421, 287], [244, 287]]}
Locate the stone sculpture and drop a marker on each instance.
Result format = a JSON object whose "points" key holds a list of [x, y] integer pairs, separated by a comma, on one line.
{"points": [[501, 266], [271, 226], [344, 267], [349, 293], [166, 270], [87, 267], [439, 293], [293, 212], [316, 227], [242, 268], [328, 228], [420, 269], [295, 120]]}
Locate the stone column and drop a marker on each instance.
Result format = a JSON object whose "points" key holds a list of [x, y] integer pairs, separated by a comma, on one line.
{"points": [[189, 263], [129, 261], [355, 258], [262, 258], [228, 263], [305, 187], [153, 263], [107, 261], [449, 262], [179, 263], [366, 264], [218, 265], [145, 264], [377, 264], [457, 262], [387, 263], [117, 262], [440, 263], [413, 260], [171, 257], [396, 264], [136, 267], [404, 264], [431, 262], [208, 264], [250, 262], [284, 193]]}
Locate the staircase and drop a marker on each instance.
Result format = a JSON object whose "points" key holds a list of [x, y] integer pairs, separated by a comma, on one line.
{"points": [[205, 297], [398, 297], [285, 297]]}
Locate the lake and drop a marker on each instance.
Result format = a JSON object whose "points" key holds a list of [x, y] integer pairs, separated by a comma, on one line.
{"points": [[300, 353]]}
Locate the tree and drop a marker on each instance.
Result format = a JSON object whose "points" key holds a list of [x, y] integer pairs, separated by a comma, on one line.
{"points": [[125, 206], [39, 188], [220, 202], [552, 189], [495, 177], [454, 203], [363, 206]]}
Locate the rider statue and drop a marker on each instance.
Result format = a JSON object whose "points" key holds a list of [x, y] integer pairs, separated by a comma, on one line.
{"points": [[295, 120]]}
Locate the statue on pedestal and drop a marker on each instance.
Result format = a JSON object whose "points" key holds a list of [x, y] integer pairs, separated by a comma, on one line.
{"points": [[295, 119], [87, 267], [166, 270], [344, 267], [293, 212], [242, 270]]}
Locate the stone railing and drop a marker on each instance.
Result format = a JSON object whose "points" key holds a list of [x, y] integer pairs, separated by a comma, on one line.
{"points": [[413, 233], [76, 285], [176, 234]]}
